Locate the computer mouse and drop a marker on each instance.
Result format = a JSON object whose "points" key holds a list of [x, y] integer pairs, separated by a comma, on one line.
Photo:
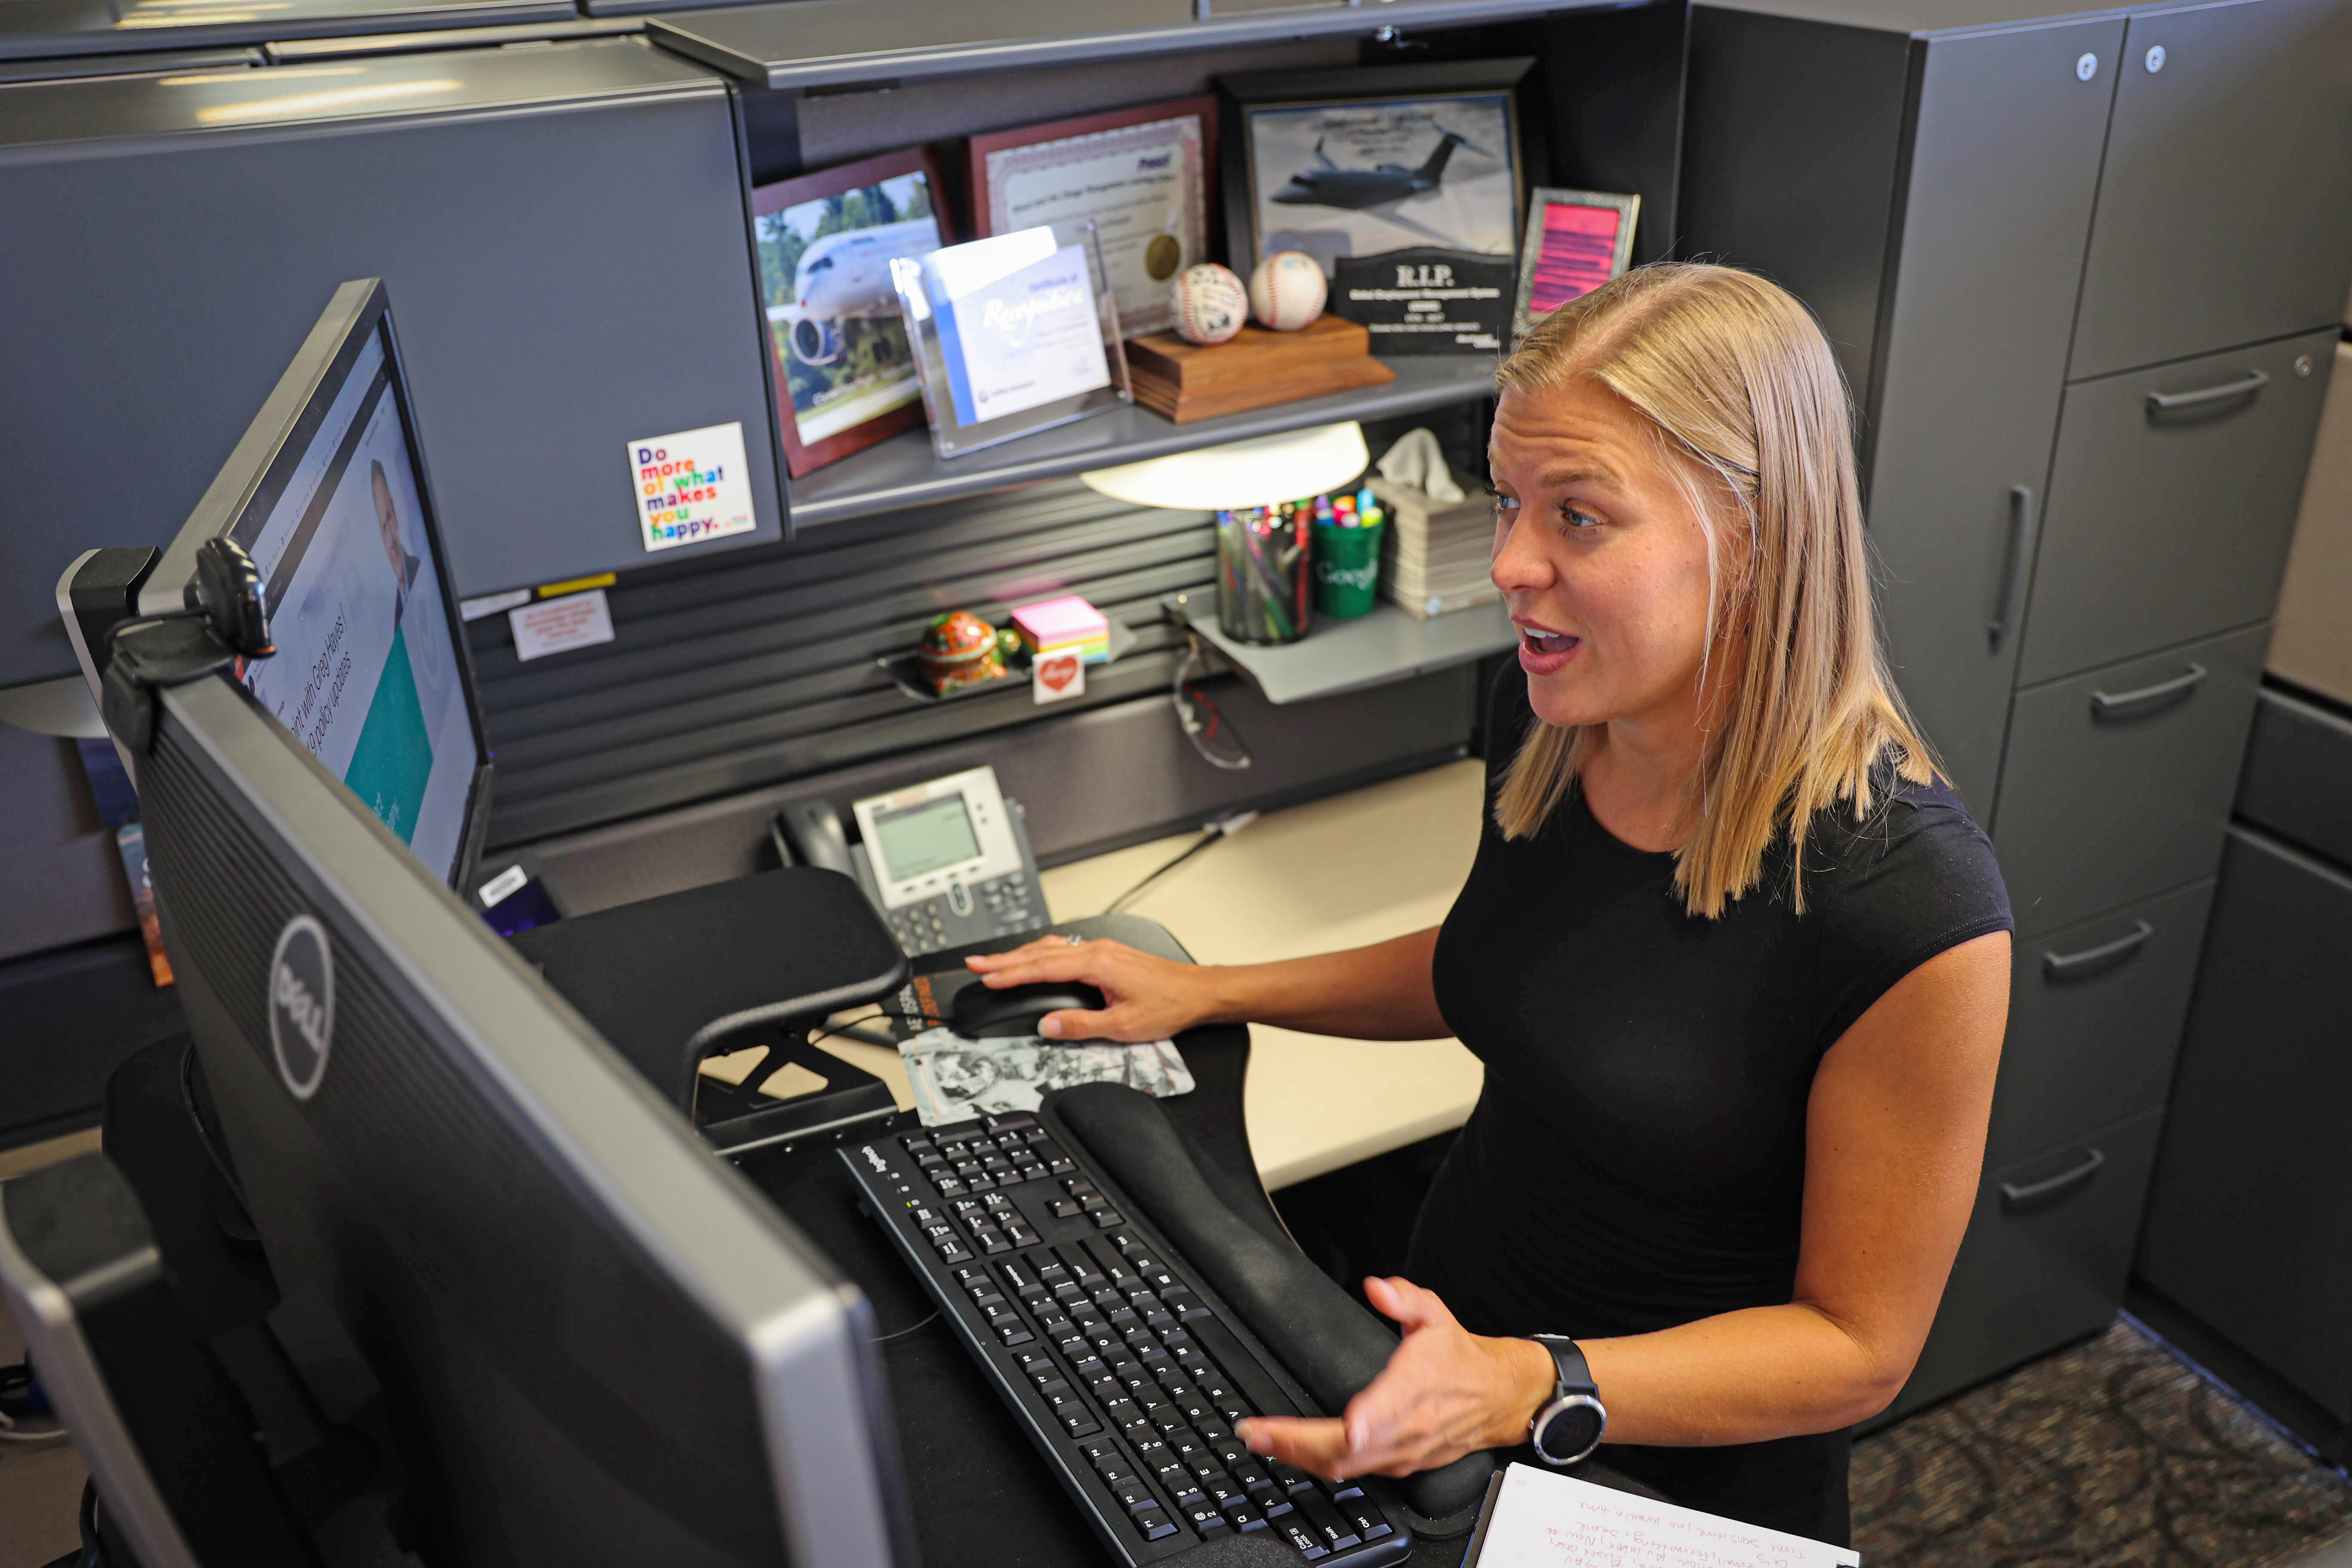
{"points": [[977, 1012]]}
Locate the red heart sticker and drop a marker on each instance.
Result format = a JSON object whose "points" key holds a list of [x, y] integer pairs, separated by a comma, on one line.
{"points": [[1057, 673]]}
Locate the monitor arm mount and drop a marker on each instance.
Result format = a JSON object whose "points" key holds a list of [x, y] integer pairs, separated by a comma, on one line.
{"points": [[226, 622]]}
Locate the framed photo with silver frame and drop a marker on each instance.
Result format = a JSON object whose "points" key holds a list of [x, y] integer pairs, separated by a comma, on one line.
{"points": [[1143, 175], [1013, 334], [1363, 162], [1576, 241]]}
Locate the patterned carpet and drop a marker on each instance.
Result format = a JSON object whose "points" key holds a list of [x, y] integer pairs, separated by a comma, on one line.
{"points": [[2110, 1455]]}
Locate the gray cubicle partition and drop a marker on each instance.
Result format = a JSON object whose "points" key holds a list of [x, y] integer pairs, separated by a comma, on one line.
{"points": [[562, 231], [2084, 272]]}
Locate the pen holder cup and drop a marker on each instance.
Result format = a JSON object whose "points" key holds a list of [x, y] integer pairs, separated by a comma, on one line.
{"points": [[1346, 569], [1264, 576]]}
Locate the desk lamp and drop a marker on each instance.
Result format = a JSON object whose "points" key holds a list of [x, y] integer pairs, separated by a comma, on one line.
{"points": [[1263, 566]]}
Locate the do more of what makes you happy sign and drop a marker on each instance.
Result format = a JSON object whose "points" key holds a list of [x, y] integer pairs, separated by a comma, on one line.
{"points": [[691, 486]]}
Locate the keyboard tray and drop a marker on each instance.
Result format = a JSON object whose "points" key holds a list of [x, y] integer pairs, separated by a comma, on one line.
{"points": [[1126, 1371]]}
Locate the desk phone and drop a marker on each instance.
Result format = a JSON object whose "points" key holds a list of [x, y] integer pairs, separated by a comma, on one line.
{"points": [[946, 861]]}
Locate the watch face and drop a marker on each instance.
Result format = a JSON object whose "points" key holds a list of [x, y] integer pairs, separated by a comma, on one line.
{"points": [[1570, 1432]]}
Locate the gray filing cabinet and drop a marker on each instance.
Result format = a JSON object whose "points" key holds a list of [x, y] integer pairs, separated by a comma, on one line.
{"points": [[2083, 274]]}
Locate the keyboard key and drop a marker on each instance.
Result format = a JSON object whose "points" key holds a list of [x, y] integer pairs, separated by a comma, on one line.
{"points": [[954, 1252], [1252, 1477], [1205, 1521], [1134, 1497], [1109, 1217], [1016, 1335], [1290, 1479], [1100, 1452], [1362, 1516], [1023, 1280], [1079, 1425], [1335, 1532], [1094, 1203], [1063, 1209], [1063, 1400], [1154, 1524], [1050, 1272], [949, 1186], [1212, 1430], [1302, 1537], [1037, 1364], [1222, 1489], [1243, 1515], [1021, 1234]]}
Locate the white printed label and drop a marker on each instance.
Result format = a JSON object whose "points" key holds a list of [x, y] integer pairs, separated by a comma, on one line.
{"points": [[553, 626], [691, 487], [501, 887], [491, 604]]}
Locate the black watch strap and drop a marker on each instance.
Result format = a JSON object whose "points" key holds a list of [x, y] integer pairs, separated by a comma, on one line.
{"points": [[1570, 1427]]}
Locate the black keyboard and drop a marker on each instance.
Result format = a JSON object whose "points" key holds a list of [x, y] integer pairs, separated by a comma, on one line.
{"points": [[1128, 1375]]}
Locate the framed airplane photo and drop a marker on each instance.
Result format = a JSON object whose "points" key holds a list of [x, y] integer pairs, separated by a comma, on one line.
{"points": [[1340, 163], [844, 372]]}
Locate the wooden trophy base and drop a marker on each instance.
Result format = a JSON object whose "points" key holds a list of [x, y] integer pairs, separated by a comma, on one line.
{"points": [[1200, 381]]}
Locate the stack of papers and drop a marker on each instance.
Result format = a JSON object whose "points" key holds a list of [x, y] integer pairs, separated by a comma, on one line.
{"points": [[1437, 551], [1539, 1518]]}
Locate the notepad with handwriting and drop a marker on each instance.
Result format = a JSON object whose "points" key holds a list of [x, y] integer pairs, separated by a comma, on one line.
{"points": [[1537, 1518]]}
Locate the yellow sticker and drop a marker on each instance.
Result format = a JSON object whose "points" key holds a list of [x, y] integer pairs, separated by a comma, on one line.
{"points": [[602, 580]]}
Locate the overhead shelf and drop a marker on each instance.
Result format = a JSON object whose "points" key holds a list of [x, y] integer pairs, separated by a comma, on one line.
{"points": [[904, 471], [835, 43], [1339, 656]]}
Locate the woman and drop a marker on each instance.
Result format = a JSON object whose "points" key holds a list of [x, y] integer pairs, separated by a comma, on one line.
{"points": [[1736, 1094]]}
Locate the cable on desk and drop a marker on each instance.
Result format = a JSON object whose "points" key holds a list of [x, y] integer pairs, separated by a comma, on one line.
{"points": [[902, 1333], [203, 1133], [1225, 827], [854, 1032]]}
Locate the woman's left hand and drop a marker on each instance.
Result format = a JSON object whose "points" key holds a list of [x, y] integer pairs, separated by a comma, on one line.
{"points": [[1446, 1393]]}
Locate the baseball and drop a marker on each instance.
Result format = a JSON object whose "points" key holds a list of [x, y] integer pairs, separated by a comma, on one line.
{"points": [[1209, 303], [1286, 290]]}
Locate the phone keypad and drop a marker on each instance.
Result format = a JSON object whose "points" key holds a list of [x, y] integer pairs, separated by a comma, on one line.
{"points": [[1002, 906]]}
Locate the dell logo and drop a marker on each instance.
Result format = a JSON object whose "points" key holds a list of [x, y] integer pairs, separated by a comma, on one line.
{"points": [[301, 1004], [873, 1159]]}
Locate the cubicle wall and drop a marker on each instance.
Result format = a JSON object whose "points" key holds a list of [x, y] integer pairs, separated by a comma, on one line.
{"points": [[2085, 273]]}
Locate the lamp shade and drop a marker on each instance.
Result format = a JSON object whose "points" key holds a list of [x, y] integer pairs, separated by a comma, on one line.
{"points": [[1256, 472]]}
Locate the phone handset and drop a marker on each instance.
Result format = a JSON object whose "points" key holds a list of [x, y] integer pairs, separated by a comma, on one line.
{"points": [[810, 833], [947, 862]]}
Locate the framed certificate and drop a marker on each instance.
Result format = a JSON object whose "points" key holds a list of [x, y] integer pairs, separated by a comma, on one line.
{"points": [[1139, 175], [1012, 334], [844, 372], [1365, 162], [1577, 240]]}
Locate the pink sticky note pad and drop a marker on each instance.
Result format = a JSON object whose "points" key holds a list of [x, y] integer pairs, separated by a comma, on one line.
{"points": [[1052, 621]]}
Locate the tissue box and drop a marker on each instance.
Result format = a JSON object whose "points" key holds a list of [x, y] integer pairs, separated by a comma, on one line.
{"points": [[1437, 551], [1068, 622]]}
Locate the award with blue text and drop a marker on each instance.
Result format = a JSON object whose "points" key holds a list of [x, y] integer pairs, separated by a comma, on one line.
{"points": [[1013, 334]]}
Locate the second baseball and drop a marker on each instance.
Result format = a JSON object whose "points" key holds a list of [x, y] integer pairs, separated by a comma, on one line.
{"points": [[1286, 290]]}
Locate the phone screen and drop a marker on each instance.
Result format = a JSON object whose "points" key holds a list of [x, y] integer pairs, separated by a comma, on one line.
{"points": [[923, 838]]}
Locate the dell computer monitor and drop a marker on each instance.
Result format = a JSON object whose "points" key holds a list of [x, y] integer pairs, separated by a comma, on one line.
{"points": [[598, 1344]]}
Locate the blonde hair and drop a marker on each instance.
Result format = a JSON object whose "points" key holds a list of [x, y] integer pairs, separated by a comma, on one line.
{"points": [[1736, 383]]}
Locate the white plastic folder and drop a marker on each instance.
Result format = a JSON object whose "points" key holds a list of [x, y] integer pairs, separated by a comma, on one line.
{"points": [[1537, 1518]]}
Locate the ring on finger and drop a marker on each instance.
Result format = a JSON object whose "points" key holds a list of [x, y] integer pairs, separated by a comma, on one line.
{"points": [[1074, 939]]}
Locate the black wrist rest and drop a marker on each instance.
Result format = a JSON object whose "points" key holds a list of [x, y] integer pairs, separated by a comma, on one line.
{"points": [[1329, 1342]]}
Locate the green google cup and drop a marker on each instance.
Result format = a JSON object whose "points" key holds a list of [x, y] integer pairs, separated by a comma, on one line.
{"points": [[1346, 569]]}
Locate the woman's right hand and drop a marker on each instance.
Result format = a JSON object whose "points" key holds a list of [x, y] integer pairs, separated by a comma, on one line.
{"points": [[1147, 998]]}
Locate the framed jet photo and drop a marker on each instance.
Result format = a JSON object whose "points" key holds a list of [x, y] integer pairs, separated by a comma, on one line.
{"points": [[1361, 163], [844, 372]]}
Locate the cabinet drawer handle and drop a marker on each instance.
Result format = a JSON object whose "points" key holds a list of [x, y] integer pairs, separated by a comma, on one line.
{"points": [[2020, 555], [2246, 386], [2049, 1189], [2120, 704], [2095, 960]]}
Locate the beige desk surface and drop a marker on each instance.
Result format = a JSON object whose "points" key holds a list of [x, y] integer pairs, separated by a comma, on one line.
{"points": [[1340, 872]]}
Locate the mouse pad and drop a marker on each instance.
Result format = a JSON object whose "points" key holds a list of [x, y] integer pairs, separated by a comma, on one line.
{"points": [[954, 1079]]}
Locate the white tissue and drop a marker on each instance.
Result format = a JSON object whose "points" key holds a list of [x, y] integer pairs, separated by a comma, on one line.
{"points": [[1416, 460]]}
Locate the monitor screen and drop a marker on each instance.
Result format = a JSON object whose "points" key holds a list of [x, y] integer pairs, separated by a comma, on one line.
{"points": [[367, 673], [923, 838]]}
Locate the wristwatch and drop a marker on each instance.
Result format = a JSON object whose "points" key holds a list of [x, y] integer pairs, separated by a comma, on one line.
{"points": [[1569, 1427]]}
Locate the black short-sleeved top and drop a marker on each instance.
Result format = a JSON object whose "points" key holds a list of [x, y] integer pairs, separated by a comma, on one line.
{"points": [[1637, 1157]]}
